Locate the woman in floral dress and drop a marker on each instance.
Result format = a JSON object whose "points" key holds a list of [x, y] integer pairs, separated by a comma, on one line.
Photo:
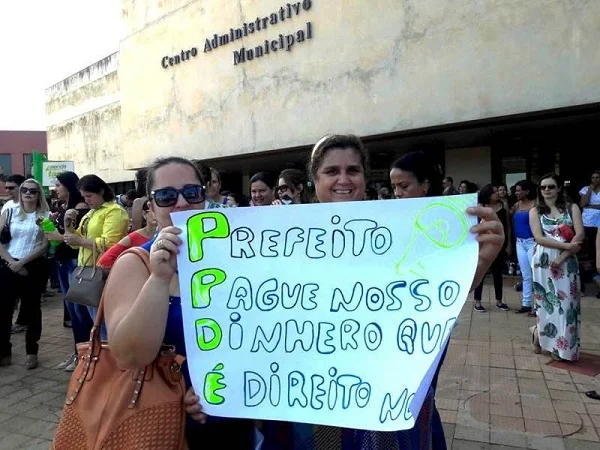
{"points": [[558, 231]]}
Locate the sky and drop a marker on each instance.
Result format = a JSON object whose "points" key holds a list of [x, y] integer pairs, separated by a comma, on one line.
{"points": [[43, 42]]}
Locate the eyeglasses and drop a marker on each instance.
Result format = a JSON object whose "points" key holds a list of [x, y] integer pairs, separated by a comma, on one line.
{"points": [[168, 196], [10, 188], [547, 186], [282, 188], [32, 191]]}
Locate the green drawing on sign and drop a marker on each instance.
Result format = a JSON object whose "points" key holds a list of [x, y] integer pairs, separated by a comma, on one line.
{"points": [[202, 226], [441, 224], [202, 283], [213, 384], [208, 334]]}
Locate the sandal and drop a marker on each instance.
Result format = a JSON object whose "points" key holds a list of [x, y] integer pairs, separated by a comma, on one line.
{"points": [[593, 395], [535, 340]]}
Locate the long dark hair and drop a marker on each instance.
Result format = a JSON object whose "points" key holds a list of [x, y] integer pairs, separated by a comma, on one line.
{"points": [[69, 180], [96, 185], [561, 200], [295, 178], [484, 194], [419, 164]]}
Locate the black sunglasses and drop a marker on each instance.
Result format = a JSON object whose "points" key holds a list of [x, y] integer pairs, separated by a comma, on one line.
{"points": [[168, 196], [25, 190], [10, 188]]}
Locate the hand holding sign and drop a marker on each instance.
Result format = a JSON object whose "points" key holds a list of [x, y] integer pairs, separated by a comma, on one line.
{"points": [[163, 254], [311, 313]]}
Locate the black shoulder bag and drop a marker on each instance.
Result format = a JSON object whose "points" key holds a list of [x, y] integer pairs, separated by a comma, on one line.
{"points": [[5, 233]]}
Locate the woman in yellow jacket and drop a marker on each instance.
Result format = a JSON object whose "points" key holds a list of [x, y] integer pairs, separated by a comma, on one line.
{"points": [[101, 228]]}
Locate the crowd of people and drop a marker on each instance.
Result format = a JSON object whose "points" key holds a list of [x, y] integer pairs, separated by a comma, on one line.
{"points": [[93, 227]]}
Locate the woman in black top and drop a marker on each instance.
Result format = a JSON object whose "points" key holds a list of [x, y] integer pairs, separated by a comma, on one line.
{"points": [[488, 196], [66, 259]]}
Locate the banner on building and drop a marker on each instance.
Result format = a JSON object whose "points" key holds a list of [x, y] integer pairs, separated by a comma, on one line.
{"points": [[50, 169]]}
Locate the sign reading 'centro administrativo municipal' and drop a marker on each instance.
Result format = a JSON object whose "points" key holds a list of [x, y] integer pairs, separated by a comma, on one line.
{"points": [[243, 54]]}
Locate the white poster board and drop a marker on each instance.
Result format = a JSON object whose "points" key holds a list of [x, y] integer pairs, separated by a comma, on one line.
{"points": [[331, 314], [52, 168]]}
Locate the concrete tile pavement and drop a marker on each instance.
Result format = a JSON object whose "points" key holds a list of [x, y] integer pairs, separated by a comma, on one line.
{"points": [[493, 392]]}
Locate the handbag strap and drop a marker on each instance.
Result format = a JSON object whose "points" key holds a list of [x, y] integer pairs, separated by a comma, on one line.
{"points": [[95, 333]]}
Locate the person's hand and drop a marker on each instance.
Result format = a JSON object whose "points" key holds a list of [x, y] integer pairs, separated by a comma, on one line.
{"points": [[72, 239], [53, 236], [193, 407], [70, 219], [574, 248], [490, 235], [163, 253], [556, 262], [276, 202], [71, 214], [15, 266]]}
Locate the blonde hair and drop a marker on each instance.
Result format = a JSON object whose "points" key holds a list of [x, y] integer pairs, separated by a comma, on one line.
{"points": [[41, 208]]}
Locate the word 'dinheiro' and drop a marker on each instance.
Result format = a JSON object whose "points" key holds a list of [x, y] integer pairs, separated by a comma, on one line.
{"points": [[315, 307]]}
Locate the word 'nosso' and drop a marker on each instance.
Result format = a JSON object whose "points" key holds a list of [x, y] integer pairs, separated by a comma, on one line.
{"points": [[353, 237]]}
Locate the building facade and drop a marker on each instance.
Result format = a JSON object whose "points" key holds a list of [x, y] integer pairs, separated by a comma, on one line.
{"points": [[492, 90], [16, 150]]}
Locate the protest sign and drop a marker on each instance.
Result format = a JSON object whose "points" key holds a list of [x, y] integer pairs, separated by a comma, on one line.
{"points": [[331, 314]]}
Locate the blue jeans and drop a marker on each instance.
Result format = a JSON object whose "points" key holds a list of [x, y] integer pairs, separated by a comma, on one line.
{"points": [[525, 255], [94, 312], [81, 321]]}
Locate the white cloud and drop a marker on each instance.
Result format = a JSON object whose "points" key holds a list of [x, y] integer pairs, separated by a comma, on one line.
{"points": [[43, 42]]}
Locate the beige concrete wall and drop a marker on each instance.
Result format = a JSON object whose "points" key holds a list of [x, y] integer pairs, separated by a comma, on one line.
{"points": [[471, 163], [371, 67], [84, 121]]}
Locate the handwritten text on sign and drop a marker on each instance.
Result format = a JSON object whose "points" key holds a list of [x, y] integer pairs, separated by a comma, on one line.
{"points": [[330, 314]]}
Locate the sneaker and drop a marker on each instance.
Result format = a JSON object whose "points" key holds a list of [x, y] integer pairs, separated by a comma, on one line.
{"points": [[72, 366], [479, 308], [502, 306], [31, 362], [523, 309], [16, 328], [67, 362]]}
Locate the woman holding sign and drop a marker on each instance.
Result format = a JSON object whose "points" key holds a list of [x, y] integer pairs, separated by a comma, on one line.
{"points": [[142, 311], [338, 166]]}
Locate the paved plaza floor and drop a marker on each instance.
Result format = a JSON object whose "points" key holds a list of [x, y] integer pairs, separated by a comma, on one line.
{"points": [[493, 392]]}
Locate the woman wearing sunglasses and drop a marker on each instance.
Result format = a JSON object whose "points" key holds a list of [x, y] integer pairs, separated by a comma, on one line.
{"points": [[557, 228], [23, 270], [140, 304], [291, 188]]}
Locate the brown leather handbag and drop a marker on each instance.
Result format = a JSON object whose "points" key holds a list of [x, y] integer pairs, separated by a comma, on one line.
{"points": [[110, 408]]}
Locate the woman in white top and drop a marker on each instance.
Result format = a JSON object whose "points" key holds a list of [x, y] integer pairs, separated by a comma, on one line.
{"points": [[23, 270], [590, 206]]}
